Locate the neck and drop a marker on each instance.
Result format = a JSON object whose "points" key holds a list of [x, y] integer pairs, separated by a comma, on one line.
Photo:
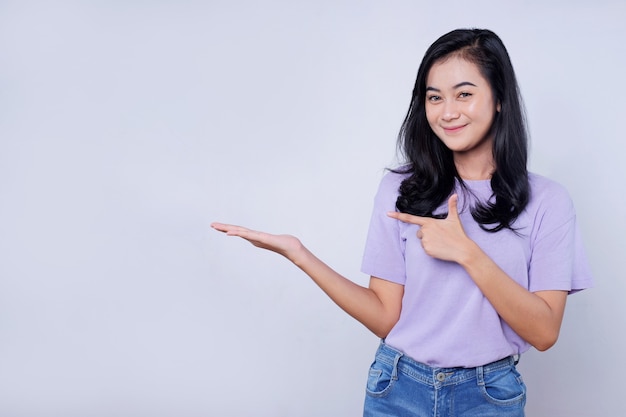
{"points": [[475, 176], [481, 169], [476, 163]]}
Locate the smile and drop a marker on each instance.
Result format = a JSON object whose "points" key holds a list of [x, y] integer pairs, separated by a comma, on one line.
{"points": [[453, 129]]}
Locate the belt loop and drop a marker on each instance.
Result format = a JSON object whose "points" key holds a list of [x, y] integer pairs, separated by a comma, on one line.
{"points": [[394, 373], [480, 375]]}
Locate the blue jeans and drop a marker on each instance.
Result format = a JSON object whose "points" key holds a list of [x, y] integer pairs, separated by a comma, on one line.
{"points": [[398, 386]]}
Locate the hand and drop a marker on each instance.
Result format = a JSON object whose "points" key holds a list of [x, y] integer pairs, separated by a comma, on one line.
{"points": [[285, 245], [443, 239]]}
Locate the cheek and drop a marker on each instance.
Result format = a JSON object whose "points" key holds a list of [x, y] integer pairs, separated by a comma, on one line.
{"points": [[476, 109], [431, 117], [483, 113]]}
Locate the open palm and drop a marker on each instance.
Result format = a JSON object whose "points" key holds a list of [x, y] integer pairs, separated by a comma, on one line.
{"points": [[281, 244]]}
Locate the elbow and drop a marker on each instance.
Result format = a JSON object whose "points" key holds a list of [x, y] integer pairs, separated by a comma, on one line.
{"points": [[381, 334], [383, 329], [546, 342]]}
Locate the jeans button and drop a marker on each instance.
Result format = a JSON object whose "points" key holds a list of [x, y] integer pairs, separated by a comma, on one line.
{"points": [[440, 376]]}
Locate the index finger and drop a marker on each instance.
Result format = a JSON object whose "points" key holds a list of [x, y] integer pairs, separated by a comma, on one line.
{"points": [[408, 218], [222, 227]]}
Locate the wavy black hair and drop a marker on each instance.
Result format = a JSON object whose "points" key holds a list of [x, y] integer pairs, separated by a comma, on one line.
{"points": [[430, 163]]}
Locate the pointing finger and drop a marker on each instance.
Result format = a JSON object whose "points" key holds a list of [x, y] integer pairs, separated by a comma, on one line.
{"points": [[408, 218]]}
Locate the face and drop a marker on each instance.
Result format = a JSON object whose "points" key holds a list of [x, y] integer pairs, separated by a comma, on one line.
{"points": [[460, 106]]}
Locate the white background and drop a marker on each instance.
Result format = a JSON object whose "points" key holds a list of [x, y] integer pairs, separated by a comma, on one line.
{"points": [[126, 127]]}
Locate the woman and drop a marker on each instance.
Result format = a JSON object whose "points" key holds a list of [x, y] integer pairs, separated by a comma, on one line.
{"points": [[471, 257]]}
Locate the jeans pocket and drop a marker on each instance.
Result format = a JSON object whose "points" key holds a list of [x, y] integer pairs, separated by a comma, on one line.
{"points": [[379, 380], [504, 387]]}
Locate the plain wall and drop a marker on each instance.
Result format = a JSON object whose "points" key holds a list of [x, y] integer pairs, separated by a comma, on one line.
{"points": [[127, 127]]}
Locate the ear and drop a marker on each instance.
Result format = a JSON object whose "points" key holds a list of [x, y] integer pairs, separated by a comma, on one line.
{"points": [[498, 107]]}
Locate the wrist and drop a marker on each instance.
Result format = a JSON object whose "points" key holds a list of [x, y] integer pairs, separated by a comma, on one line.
{"points": [[470, 255], [298, 254]]}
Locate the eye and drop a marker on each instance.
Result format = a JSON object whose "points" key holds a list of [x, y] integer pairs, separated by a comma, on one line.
{"points": [[465, 95], [433, 98]]}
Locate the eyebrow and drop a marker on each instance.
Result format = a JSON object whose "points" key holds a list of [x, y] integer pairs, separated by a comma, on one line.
{"points": [[461, 84]]}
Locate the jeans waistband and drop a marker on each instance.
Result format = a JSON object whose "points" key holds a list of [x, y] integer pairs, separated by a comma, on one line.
{"points": [[438, 376]]}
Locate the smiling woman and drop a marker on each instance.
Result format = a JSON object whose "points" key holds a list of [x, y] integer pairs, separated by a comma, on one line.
{"points": [[470, 256], [461, 108]]}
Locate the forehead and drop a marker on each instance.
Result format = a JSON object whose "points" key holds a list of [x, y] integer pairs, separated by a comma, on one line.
{"points": [[452, 71]]}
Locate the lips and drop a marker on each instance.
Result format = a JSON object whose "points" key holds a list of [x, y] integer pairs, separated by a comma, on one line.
{"points": [[453, 129]]}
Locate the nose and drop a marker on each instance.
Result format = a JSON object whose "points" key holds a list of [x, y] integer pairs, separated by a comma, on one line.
{"points": [[450, 111]]}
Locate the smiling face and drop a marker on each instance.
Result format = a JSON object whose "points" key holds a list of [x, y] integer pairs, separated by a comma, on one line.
{"points": [[461, 108]]}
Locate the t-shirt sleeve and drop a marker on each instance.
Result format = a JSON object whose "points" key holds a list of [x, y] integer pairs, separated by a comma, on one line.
{"points": [[384, 248], [558, 260]]}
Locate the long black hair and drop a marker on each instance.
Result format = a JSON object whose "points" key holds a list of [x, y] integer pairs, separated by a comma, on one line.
{"points": [[430, 163]]}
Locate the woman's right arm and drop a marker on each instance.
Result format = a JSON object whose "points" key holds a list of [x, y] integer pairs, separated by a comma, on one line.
{"points": [[377, 307]]}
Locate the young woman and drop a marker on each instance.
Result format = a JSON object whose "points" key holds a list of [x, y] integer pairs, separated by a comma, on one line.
{"points": [[471, 257]]}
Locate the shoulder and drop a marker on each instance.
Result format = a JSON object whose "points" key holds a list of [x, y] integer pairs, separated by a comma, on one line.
{"points": [[391, 181], [546, 191], [549, 201], [389, 190]]}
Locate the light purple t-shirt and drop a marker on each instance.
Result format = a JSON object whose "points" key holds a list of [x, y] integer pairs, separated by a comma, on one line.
{"points": [[445, 320]]}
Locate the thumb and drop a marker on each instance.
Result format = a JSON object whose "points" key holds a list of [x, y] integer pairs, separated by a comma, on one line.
{"points": [[453, 212]]}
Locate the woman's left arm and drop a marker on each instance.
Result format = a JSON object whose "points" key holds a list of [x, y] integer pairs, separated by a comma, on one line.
{"points": [[536, 317]]}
